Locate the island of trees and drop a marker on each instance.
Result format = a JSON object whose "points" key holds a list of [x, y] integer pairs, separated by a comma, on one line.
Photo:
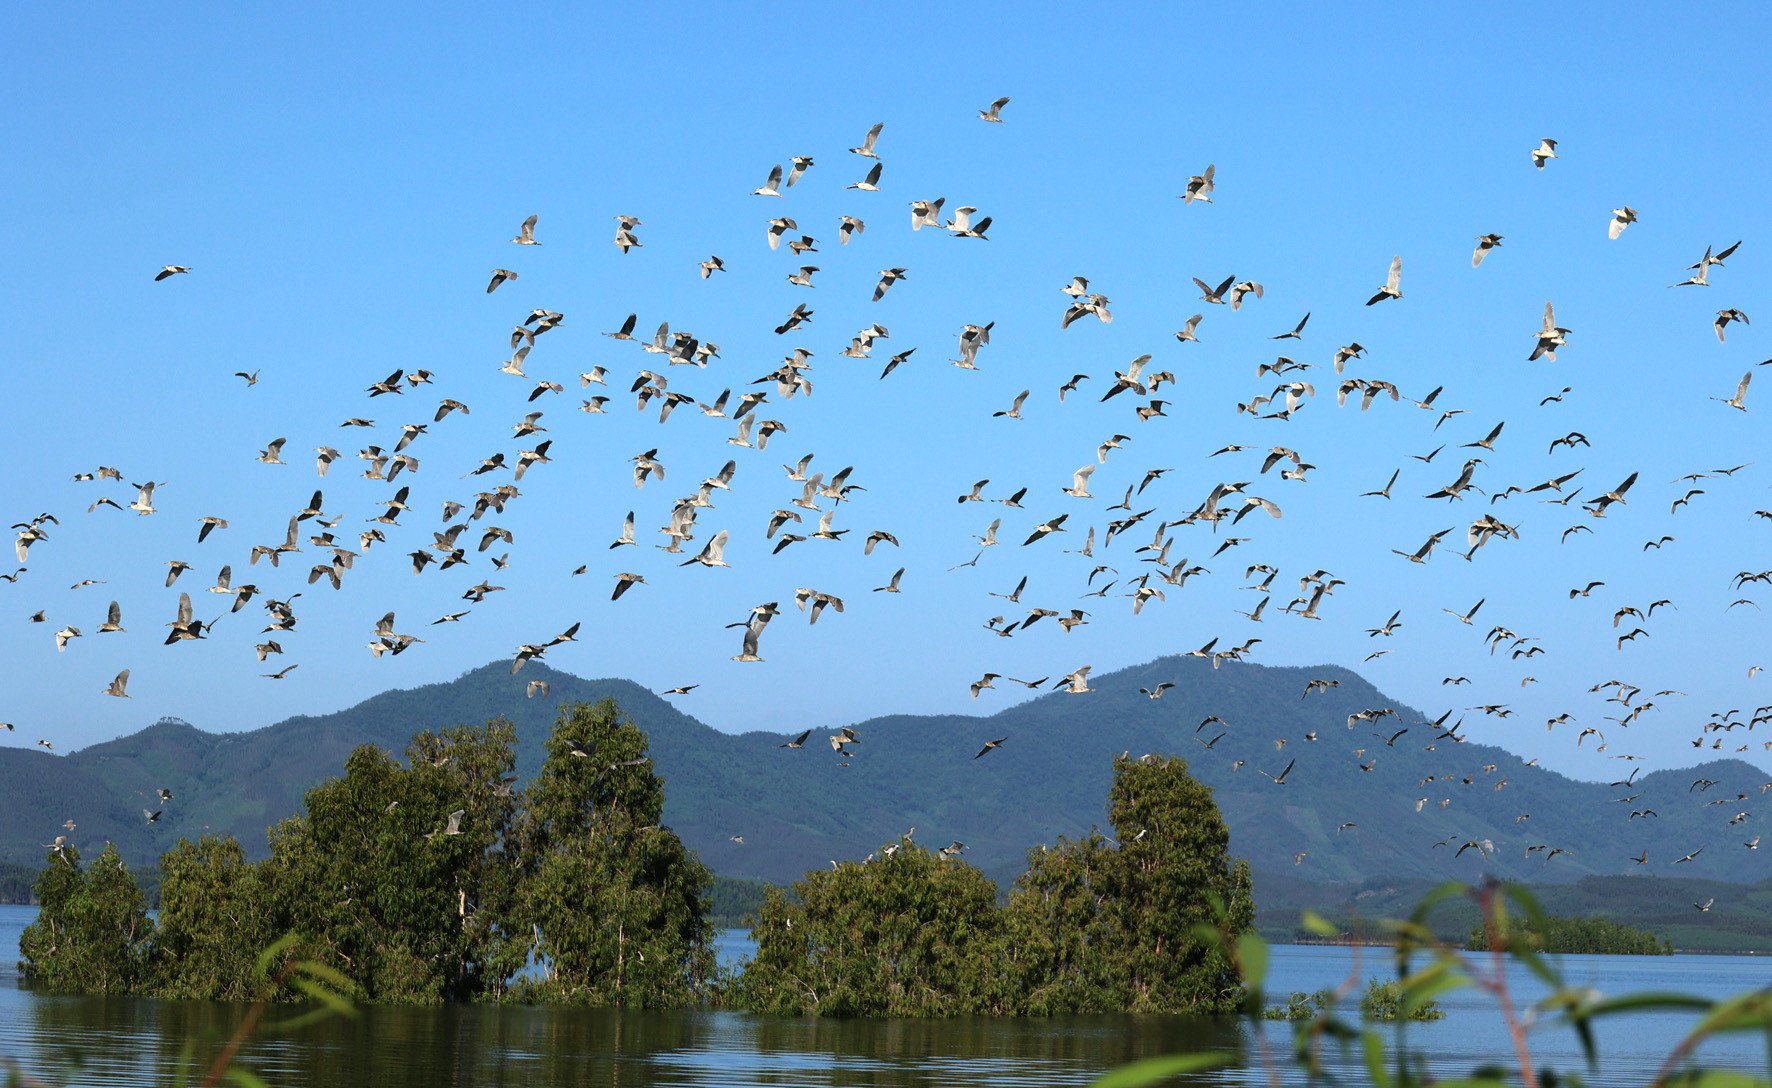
{"points": [[435, 879], [1559, 934]]}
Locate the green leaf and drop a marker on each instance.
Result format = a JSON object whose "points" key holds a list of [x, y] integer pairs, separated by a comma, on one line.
{"points": [[1156, 1070], [1451, 889], [1533, 961], [1320, 926], [1718, 1078], [1421, 988], [1649, 999], [338, 1004], [1746, 1012], [270, 955], [330, 975], [1523, 896], [1373, 1045], [1252, 954]]}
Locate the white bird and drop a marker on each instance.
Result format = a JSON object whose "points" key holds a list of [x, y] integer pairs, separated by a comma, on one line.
{"points": [[1079, 488], [867, 144], [1390, 288], [1738, 401], [1621, 218], [712, 554], [526, 233], [1199, 187], [1544, 152], [870, 183]]}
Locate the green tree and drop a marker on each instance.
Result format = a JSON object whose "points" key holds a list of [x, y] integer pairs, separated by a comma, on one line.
{"points": [[1058, 952], [393, 876], [92, 929], [1098, 926], [616, 903], [213, 923], [909, 933], [1555, 933]]}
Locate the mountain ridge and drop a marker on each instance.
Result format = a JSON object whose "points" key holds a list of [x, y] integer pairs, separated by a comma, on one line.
{"points": [[798, 809]]}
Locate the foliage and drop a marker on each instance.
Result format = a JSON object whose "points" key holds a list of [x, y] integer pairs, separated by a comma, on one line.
{"points": [[1320, 1033], [212, 917], [1096, 926], [1093, 925], [92, 929], [619, 904], [17, 883], [911, 933], [733, 903], [418, 881], [1384, 1001], [1299, 1006], [1558, 934], [375, 882]]}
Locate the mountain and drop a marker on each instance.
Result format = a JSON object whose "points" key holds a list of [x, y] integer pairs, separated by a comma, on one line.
{"points": [[798, 809]]}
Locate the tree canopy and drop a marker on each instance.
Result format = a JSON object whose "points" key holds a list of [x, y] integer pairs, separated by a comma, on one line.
{"points": [[422, 880], [1093, 924]]}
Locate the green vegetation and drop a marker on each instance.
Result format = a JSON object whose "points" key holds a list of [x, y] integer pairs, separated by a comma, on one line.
{"points": [[1049, 780], [92, 930], [1381, 1001], [734, 903], [1321, 1035], [1662, 905], [1556, 934], [17, 882], [1093, 925], [419, 882], [434, 880]]}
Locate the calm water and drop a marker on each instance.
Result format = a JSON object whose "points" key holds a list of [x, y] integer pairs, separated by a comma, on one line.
{"points": [[134, 1042]]}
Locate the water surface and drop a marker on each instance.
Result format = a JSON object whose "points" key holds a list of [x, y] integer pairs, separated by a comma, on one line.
{"points": [[137, 1043]]}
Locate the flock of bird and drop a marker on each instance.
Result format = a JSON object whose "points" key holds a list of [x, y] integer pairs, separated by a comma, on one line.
{"points": [[813, 502]]}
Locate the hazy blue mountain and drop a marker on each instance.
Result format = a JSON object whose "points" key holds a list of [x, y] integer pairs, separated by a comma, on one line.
{"points": [[797, 809]]}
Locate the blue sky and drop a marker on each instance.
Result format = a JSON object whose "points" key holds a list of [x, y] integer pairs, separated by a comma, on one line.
{"points": [[342, 183]]}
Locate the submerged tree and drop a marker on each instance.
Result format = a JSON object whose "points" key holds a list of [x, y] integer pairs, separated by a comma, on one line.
{"points": [[1058, 954], [1098, 926], [214, 920], [388, 873], [910, 933], [1093, 925], [616, 904], [1175, 864], [92, 928]]}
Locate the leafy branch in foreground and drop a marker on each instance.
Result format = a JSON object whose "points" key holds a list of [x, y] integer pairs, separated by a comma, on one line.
{"points": [[1512, 921], [279, 974]]}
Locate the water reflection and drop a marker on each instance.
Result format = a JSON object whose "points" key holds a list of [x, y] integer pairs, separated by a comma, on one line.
{"points": [[136, 1043], [121, 1041]]}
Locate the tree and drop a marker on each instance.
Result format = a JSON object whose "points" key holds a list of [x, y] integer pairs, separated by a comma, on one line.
{"points": [[92, 929], [618, 905], [909, 933], [392, 875], [1059, 947], [1096, 926], [213, 923]]}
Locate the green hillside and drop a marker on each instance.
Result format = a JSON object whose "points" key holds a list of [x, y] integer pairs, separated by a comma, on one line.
{"points": [[797, 809]]}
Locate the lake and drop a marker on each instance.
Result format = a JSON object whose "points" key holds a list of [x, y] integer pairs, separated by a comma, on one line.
{"points": [[130, 1042]]}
